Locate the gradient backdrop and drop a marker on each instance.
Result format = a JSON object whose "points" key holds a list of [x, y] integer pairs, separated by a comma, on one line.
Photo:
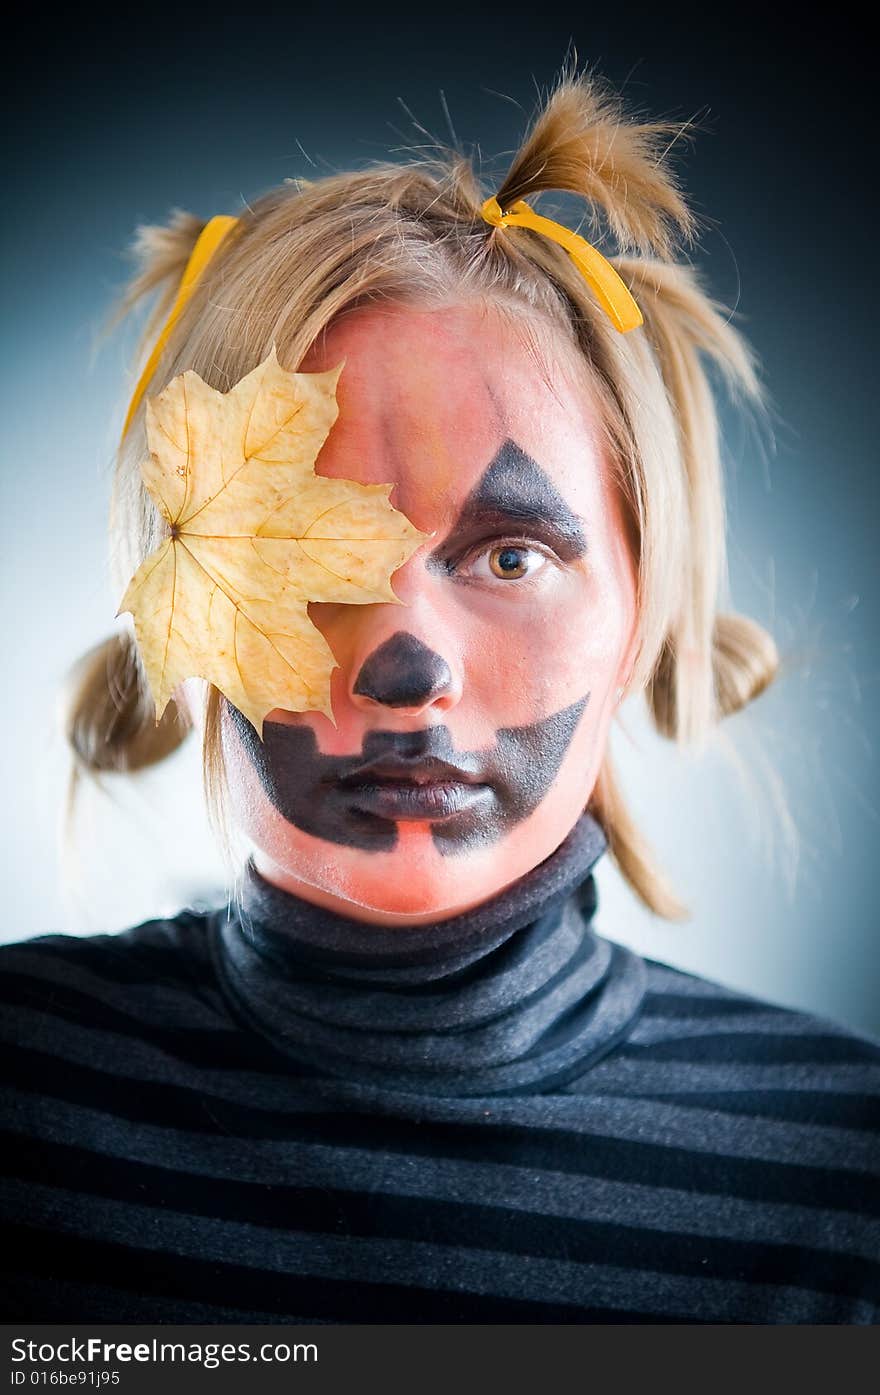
{"points": [[114, 124]]}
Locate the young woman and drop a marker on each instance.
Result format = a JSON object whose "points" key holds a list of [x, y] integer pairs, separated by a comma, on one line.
{"points": [[399, 1077]]}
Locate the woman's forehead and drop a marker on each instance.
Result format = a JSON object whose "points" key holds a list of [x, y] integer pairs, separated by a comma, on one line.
{"points": [[434, 400]]}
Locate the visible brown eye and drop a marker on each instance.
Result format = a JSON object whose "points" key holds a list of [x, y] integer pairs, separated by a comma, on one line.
{"points": [[513, 560], [508, 561]]}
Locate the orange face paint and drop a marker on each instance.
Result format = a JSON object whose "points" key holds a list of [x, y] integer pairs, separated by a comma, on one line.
{"points": [[472, 720]]}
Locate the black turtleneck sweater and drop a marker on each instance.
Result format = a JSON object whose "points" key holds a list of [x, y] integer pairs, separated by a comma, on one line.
{"points": [[274, 1113]]}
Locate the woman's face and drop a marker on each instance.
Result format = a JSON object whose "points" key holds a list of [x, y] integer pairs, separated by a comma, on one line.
{"points": [[471, 719]]}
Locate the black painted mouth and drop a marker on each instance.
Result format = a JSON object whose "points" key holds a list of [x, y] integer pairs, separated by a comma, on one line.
{"points": [[342, 799]]}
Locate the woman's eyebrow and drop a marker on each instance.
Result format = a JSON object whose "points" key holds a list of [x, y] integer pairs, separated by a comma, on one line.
{"points": [[514, 489]]}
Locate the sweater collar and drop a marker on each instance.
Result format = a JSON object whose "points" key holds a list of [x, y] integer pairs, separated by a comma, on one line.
{"points": [[513, 996]]}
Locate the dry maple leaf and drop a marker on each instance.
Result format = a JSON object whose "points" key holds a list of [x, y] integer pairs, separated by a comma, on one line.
{"points": [[255, 535]]}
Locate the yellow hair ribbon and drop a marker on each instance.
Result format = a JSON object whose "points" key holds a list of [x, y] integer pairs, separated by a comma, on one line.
{"points": [[209, 240], [611, 293]]}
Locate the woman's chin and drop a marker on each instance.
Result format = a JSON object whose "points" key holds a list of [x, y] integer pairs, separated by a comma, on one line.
{"points": [[413, 882]]}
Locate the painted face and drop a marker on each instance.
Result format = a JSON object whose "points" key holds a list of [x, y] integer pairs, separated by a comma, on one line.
{"points": [[471, 719]]}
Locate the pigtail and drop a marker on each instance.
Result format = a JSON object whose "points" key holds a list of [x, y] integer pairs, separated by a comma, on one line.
{"points": [[711, 664], [108, 714], [745, 661], [582, 142], [161, 252]]}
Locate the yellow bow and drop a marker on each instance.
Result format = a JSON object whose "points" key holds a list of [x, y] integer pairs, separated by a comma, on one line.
{"points": [[612, 294], [209, 240]]}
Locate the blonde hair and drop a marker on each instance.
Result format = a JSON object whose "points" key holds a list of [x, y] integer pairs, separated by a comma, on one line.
{"points": [[412, 233]]}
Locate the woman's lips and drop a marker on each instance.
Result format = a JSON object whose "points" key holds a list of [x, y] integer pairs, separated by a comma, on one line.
{"points": [[406, 799], [394, 786]]}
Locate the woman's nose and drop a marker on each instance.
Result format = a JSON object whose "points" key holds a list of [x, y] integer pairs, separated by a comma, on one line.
{"points": [[403, 658], [403, 672]]}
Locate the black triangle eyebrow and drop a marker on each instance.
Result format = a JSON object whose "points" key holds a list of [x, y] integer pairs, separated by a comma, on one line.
{"points": [[514, 491]]}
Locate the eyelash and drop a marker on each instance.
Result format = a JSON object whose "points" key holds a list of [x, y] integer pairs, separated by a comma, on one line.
{"points": [[498, 545]]}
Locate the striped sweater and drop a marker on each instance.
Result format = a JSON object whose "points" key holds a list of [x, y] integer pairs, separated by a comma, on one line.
{"points": [[267, 1112]]}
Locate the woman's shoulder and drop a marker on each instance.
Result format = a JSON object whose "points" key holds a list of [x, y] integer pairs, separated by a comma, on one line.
{"points": [[76, 973], [703, 1040], [150, 940], [89, 1023], [680, 996]]}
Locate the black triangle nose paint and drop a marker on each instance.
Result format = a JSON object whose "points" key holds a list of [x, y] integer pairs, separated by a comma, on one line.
{"points": [[500, 786], [403, 672]]}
